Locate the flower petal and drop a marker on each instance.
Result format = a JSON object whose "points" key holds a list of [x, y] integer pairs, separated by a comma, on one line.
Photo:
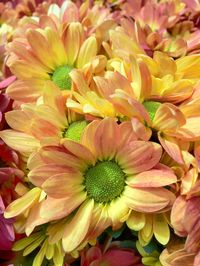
{"points": [[72, 39], [77, 228], [153, 178], [138, 156], [136, 221], [148, 199], [161, 229], [19, 141], [64, 185], [55, 209], [20, 205], [87, 51]]}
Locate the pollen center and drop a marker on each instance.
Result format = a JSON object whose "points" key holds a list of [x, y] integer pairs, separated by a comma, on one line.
{"points": [[75, 130], [151, 108], [105, 181], [61, 77]]}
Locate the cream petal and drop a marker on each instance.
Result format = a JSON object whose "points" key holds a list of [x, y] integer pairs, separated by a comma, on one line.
{"points": [[146, 233], [117, 210], [100, 221]]}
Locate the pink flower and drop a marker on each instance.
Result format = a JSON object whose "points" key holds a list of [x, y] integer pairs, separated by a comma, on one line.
{"points": [[94, 256], [7, 235]]}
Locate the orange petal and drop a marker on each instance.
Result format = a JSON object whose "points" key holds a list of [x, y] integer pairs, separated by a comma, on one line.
{"points": [[79, 150], [147, 199], [177, 216], [72, 39], [64, 185], [55, 209], [39, 174], [106, 132], [152, 178], [138, 156], [168, 117], [171, 146]]}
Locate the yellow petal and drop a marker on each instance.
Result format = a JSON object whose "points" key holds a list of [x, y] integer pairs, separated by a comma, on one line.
{"points": [[77, 228], [161, 229], [20, 205], [136, 221], [146, 233], [34, 245], [73, 38], [40, 255], [87, 51]]}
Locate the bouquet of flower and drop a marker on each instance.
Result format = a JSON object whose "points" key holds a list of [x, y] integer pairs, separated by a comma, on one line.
{"points": [[100, 133]]}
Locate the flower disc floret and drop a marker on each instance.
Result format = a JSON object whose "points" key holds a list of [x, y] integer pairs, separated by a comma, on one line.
{"points": [[75, 130], [61, 77], [151, 108], [105, 181]]}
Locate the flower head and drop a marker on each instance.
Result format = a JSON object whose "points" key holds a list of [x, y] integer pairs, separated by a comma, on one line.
{"points": [[98, 181]]}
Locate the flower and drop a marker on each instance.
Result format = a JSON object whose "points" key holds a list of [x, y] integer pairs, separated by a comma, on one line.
{"points": [[150, 254], [48, 52], [49, 120], [41, 239], [81, 193], [175, 254], [7, 235], [110, 257]]}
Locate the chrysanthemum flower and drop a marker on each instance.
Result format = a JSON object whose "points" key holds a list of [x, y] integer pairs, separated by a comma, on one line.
{"points": [[47, 250], [166, 79], [50, 53], [110, 257], [47, 121], [88, 101], [92, 16], [7, 235], [185, 219], [114, 96], [175, 254], [150, 255], [71, 176]]}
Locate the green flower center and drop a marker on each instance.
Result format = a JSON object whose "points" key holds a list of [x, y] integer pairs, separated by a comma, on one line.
{"points": [[105, 181], [75, 130], [61, 77], [151, 108]]}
